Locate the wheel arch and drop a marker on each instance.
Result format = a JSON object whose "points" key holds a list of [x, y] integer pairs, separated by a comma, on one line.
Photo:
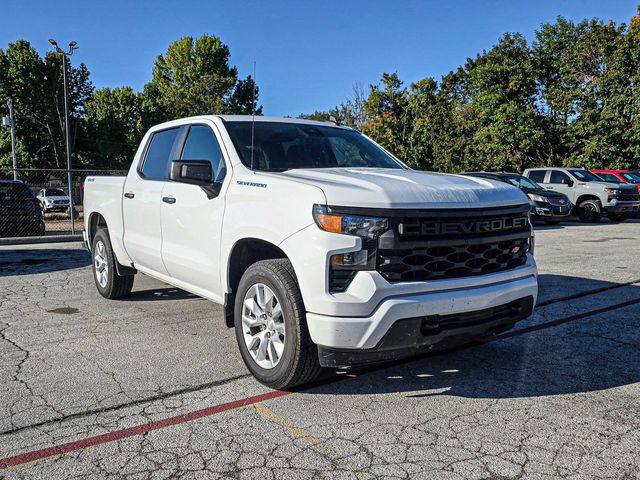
{"points": [[244, 253], [587, 196], [96, 221]]}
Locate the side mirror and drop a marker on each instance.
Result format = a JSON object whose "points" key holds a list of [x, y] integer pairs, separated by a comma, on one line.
{"points": [[570, 183], [196, 172]]}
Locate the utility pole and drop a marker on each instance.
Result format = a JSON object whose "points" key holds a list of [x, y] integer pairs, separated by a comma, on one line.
{"points": [[13, 139], [67, 132]]}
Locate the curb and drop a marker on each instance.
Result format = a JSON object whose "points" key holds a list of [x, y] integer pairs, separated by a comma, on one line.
{"points": [[43, 239]]}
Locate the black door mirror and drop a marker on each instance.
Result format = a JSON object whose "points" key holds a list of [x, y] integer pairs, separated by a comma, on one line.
{"points": [[569, 183], [199, 172]]}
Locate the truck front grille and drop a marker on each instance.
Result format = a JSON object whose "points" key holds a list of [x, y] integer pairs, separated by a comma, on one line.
{"points": [[454, 243], [452, 261], [627, 197]]}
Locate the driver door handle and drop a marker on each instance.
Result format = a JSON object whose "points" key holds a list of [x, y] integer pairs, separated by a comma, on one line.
{"points": [[169, 200], [129, 194]]}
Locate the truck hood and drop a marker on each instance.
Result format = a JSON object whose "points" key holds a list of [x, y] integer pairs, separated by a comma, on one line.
{"points": [[390, 188]]}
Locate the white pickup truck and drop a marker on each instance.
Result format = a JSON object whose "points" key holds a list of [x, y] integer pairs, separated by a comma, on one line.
{"points": [[325, 250]]}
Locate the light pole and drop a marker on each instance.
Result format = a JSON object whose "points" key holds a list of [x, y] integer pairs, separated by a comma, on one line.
{"points": [[10, 121], [72, 47]]}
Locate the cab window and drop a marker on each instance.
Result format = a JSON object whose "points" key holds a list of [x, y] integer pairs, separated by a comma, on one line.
{"points": [[156, 162], [201, 144], [537, 175]]}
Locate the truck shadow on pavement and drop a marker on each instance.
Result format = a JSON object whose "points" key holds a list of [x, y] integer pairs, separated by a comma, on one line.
{"points": [[590, 354], [41, 260]]}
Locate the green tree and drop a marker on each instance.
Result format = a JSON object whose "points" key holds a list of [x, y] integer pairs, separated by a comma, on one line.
{"points": [[35, 85], [386, 108], [111, 127], [194, 77]]}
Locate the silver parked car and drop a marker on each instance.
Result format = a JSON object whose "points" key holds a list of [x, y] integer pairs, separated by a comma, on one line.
{"points": [[53, 199]]}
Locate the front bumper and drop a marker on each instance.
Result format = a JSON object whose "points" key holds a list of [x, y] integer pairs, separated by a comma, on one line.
{"points": [[366, 332], [412, 336], [544, 210], [622, 207]]}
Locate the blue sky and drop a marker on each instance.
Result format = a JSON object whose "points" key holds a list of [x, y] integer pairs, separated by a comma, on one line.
{"points": [[309, 54]]}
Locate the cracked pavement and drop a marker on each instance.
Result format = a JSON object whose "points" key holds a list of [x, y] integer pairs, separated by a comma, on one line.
{"points": [[554, 400]]}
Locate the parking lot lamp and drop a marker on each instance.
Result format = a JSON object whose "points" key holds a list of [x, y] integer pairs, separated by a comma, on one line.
{"points": [[72, 48]]}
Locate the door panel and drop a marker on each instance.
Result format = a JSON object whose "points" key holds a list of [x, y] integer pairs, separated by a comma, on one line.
{"points": [[142, 228], [192, 222], [191, 230], [558, 182], [142, 198]]}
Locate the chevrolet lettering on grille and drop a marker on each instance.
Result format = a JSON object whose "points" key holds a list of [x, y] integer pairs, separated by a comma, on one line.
{"points": [[493, 225]]}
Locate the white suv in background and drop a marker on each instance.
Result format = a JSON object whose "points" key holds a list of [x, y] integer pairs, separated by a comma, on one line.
{"points": [[591, 195], [53, 199]]}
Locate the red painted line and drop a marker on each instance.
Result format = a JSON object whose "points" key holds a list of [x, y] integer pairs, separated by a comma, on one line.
{"points": [[133, 431]]}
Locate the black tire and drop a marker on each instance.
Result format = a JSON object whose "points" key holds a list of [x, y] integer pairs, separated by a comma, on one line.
{"points": [[116, 286], [39, 230], [298, 363], [590, 211], [617, 217]]}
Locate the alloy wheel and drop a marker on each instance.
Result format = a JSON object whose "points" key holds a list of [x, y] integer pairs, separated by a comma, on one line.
{"points": [[101, 265], [263, 325]]}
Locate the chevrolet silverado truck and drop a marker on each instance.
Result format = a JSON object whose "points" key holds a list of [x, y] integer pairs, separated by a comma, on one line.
{"points": [[325, 250], [589, 193]]}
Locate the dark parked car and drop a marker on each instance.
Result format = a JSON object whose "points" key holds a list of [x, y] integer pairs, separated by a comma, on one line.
{"points": [[547, 206], [20, 211]]}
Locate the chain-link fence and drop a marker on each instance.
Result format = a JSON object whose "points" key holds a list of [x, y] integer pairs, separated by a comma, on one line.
{"points": [[39, 202]]}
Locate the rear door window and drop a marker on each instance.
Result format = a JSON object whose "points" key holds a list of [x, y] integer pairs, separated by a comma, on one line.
{"points": [[159, 154], [537, 175]]}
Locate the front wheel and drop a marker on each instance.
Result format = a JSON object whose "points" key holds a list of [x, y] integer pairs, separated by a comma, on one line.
{"points": [[589, 211], [108, 282], [271, 328]]}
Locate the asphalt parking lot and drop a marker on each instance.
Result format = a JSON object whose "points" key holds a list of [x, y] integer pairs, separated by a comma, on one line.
{"points": [[152, 386]]}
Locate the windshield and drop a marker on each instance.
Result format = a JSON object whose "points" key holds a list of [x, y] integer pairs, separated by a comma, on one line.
{"points": [[14, 191], [280, 146], [585, 176], [522, 182], [54, 192], [631, 177]]}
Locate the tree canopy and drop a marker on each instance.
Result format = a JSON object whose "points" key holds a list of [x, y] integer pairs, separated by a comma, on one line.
{"points": [[570, 97], [194, 77]]}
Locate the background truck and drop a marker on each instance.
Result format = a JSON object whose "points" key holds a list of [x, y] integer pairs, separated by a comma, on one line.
{"points": [[589, 193], [324, 249]]}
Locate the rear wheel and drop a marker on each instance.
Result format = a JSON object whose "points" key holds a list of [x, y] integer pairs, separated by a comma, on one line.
{"points": [[108, 282], [271, 327], [617, 217], [589, 211]]}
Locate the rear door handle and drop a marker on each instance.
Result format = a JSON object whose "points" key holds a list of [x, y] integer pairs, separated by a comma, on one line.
{"points": [[129, 194], [170, 200]]}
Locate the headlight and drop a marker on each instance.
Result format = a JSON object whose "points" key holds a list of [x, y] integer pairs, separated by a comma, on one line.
{"points": [[368, 228], [537, 198], [343, 266], [612, 191]]}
